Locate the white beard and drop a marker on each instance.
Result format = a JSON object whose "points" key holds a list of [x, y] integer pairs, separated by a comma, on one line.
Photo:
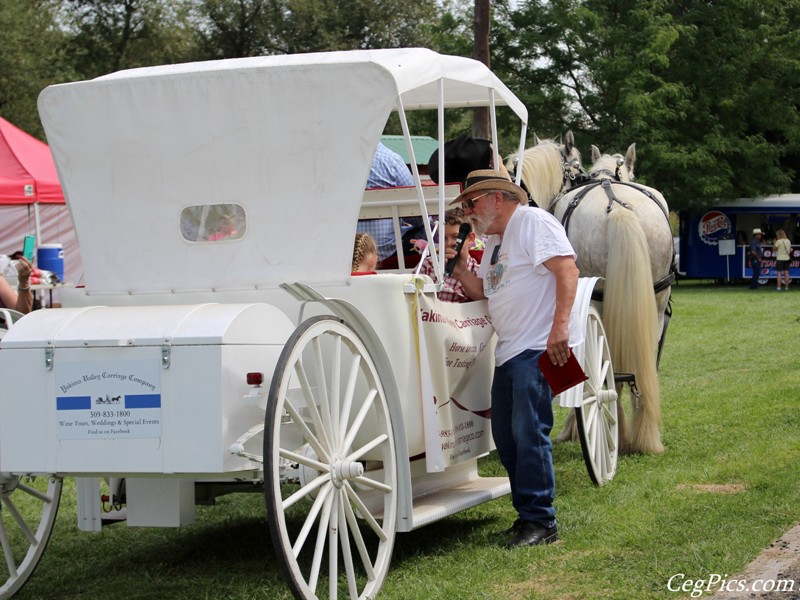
{"points": [[481, 223]]}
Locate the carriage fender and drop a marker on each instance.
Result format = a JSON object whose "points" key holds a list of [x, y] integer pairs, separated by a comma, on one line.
{"points": [[580, 310]]}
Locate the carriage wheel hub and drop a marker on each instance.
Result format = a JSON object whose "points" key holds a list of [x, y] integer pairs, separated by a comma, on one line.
{"points": [[345, 469], [606, 396]]}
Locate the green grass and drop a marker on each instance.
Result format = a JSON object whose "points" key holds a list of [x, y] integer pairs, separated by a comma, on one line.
{"points": [[730, 388]]}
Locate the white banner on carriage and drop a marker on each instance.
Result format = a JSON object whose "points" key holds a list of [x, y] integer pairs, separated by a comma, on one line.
{"points": [[457, 357]]}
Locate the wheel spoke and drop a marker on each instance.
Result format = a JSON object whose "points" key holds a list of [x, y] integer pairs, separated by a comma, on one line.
{"points": [[362, 509], [336, 374], [322, 534], [27, 516], [306, 490], [359, 420], [310, 519], [324, 403], [353, 456], [358, 539], [304, 460], [34, 492], [311, 404], [9, 555], [23, 526], [348, 395], [333, 551], [347, 557]]}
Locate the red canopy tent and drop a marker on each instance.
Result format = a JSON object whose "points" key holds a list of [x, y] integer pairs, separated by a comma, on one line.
{"points": [[27, 171], [31, 200]]}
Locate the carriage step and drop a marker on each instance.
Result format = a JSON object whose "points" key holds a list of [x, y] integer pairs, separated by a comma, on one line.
{"points": [[445, 502], [624, 378]]}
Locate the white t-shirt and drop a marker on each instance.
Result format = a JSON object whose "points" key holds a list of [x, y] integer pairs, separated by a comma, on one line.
{"points": [[522, 291]]}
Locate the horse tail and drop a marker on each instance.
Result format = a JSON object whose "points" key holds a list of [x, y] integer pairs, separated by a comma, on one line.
{"points": [[630, 319]]}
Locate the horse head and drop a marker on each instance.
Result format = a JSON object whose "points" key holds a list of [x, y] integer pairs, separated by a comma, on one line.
{"points": [[548, 168], [613, 166]]}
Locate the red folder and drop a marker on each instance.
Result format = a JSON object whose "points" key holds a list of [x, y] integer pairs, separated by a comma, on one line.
{"points": [[562, 378]]}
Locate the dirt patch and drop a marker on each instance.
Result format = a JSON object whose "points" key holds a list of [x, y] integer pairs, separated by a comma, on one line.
{"points": [[776, 570], [714, 488]]}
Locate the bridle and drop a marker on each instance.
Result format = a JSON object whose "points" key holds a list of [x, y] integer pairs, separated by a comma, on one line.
{"points": [[615, 175]]}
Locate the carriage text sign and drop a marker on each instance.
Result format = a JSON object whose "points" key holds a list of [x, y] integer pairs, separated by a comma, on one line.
{"points": [[109, 399], [456, 360]]}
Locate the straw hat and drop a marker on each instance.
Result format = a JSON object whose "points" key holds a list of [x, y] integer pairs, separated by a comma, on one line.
{"points": [[757, 231], [486, 180]]}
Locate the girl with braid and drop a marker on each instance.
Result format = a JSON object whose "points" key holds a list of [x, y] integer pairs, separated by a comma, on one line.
{"points": [[365, 254]]}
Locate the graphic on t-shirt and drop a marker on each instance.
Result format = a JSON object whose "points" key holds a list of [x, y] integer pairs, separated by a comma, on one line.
{"points": [[495, 276]]}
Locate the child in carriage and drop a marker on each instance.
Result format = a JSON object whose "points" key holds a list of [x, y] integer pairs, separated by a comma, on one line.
{"points": [[452, 289]]}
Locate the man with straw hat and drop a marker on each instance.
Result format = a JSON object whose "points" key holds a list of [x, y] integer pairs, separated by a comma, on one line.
{"points": [[529, 277], [754, 255]]}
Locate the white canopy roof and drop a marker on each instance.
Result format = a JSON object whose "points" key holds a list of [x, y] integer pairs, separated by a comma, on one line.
{"points": [[289, 138]]}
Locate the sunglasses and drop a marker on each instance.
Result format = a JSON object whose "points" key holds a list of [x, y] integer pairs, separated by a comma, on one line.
{"points": [[495, 255], [471, 202]]}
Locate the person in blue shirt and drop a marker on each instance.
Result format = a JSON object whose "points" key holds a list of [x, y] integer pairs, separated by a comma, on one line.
{"points": [[388, 170], [754, 256]]}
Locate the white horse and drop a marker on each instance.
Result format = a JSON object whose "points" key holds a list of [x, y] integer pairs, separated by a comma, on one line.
{"points": [[548, 168], [620, 231]]}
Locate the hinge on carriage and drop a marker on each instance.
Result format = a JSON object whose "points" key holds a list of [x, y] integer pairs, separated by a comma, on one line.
{"points": [[166, 351], [48, 358]]}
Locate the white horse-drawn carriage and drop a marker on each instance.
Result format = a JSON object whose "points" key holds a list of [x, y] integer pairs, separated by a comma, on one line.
{"points": [[220, 343]]}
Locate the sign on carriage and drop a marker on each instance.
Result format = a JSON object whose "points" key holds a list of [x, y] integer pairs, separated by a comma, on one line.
{"points": [[109, 399], [457, 343]]}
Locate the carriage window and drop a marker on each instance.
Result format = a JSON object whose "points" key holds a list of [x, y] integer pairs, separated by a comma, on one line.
{"points": [[213, 223]]}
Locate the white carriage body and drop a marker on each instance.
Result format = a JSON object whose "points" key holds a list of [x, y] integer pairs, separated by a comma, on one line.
{"points": [[143, 374], [287, 141]]}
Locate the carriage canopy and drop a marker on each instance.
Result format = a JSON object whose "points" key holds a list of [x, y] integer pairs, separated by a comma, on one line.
{"points": [[153, 161]]}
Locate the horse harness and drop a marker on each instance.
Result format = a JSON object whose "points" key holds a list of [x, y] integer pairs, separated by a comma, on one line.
{"points": [[607, 184], [568, 177]]}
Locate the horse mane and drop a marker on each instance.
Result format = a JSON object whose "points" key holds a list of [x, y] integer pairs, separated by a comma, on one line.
{"points": [[543, 170]]}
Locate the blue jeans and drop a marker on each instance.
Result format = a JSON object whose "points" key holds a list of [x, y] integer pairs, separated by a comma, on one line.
{"points": [[522, 417], [755, 265]]}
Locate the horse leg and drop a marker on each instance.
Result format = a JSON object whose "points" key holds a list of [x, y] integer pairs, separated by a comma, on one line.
{"points": [[623, 432], [570, 431]]}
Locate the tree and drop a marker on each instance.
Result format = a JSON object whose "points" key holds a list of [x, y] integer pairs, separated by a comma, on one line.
{"points": [[237, 28], [685, 80], [109, 35], [32, 58]]}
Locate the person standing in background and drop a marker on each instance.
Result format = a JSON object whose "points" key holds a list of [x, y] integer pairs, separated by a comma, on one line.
{"points": [[20, 300], [783, 256], [754, 255]]}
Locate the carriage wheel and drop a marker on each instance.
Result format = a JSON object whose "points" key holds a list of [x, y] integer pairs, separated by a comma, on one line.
{"points": [[330, 470], [28, 507], [598, 428]]}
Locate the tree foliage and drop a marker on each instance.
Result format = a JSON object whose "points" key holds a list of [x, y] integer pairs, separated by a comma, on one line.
{"points": [[709, 90], [32, 56], [104, 36], [237, 28]]}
